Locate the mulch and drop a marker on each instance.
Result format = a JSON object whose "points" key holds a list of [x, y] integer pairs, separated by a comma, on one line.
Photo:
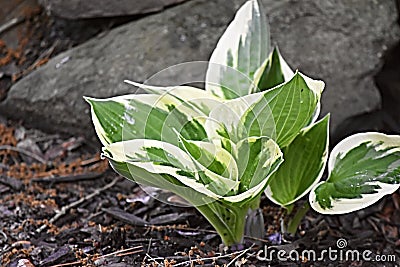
{"points": [[61, 205]]}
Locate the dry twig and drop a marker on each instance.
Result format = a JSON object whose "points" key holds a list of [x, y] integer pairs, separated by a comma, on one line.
{"points": [[217, 257], [11, 23], [68, 178], [25, 152], [64, 209]]}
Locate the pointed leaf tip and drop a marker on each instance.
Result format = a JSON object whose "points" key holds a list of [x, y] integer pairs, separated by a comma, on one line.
{"points": [[88, 99], [239, 53], [133, 83]]}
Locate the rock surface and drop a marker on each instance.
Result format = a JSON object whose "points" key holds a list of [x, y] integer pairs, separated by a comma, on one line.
{"points": [[340, 43], [78, 9]]}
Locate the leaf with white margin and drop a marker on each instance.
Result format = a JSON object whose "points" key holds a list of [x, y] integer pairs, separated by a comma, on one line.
{"points": [[304, 165], [147, 116], [286, 109], [196, 98], [239, 53], [275, 70], [164, 181], [124, 155], [212, 157], [318, 87], [272, 72], [227, 218], [225, 119], [256, 159], [162, 158], [362, 169]]}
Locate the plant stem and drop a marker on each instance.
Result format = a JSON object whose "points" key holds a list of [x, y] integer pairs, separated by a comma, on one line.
{"points": [[289, 209], [297, 218], [228, 220], [255, 203]]}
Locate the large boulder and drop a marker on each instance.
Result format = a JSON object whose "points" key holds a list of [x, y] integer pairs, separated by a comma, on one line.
{"points": [[78, 9], [339, 42]]}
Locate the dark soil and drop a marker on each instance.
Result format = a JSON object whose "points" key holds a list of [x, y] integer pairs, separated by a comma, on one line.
{"points": [[61, 205]]}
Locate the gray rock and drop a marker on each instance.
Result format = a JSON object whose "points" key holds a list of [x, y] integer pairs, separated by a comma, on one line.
{"points": [[51, 97], [339, 42], [78, 9]]}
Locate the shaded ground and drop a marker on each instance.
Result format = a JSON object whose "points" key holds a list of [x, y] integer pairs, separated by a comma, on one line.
{"points": [[61, 205]]}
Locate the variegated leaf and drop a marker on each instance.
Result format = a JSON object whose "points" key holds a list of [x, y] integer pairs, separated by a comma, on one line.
{"points": [[156, 157], [257, 158], [199, 100], [194, 196], [284, 110], [146, 116], [239, 53], [362, 169], [272, 72], [162, 158], [275, 71], [304, 165], [225, 119]]}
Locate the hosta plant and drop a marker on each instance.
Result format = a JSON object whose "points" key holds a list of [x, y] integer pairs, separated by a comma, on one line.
{"points": [[254, 129]]}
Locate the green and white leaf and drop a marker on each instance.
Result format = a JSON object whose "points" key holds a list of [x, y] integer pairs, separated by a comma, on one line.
{"points": [[362, 169], [272, 72], [279, 113], [165, 181], [211, 157], [162, 158], [239, 53], [275, 71], [225, 119], [198, 99], [257, 159], [305, 160], [284, 110], [156, 157], [227, 218], [146, 116]]}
